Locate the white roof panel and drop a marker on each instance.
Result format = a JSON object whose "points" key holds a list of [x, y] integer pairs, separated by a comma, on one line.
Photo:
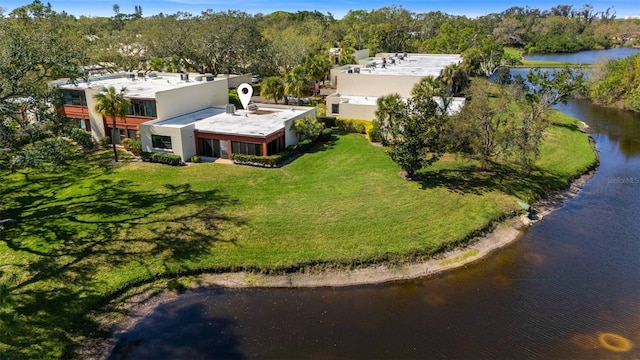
{"points": [[259, 123]]}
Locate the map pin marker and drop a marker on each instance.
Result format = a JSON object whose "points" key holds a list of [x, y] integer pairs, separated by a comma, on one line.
{"points": [[245, 91]]}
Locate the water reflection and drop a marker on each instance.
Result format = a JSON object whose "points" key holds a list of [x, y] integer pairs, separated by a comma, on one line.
{"points": [[621, 127]]}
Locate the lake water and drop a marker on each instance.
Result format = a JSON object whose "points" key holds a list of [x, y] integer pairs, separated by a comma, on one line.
{"points": [[569, 288], [589, 56]]}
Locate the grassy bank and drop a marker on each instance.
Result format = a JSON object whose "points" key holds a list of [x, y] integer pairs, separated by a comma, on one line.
{"points": [[517, 53], [86, 233]]}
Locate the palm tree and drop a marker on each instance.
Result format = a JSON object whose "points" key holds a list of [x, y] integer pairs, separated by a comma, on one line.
{"points": [[295, 81], [455, 78], [272, 88], [112, 104], [318, 66], [427, 87]]}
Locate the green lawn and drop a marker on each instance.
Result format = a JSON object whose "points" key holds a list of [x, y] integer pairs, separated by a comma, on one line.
{"points": [[88, 233], [517, 53]]}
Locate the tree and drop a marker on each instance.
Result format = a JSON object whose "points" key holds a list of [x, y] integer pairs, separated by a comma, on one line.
{"points": [[413, 129], [545, 90], [272, 88], [296, 81], [318, 67], [482, 125], [455, 78], [484, 58], [112, 104], [37, 45]]}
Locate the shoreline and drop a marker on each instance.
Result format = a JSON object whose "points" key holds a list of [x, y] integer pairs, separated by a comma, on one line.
{"points": [[504, 233]]}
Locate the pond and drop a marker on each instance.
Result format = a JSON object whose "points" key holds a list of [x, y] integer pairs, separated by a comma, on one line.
{"points": [[588, 57]]}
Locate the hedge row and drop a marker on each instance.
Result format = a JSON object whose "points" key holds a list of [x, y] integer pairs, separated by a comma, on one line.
{"points": [[255, 160], [161, 158], [354, 125], [272, 160]]}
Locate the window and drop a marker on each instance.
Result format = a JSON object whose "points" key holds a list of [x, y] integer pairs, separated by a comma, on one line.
{"points": [[161, 142], [210, 147], [275, 146], [74, 98], [238, 147], [80, 123], [132, 134], [143, 108], [119, 132], [335, 108]]}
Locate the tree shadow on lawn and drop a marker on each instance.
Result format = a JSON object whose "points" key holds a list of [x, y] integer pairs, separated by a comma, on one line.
{"points": [[505, 178], [69, 242]]}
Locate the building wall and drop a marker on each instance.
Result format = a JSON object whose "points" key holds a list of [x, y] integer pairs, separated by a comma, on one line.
{"points": [[182, 139], [184, 100], [95, 119], [235, 80], [351, 111], [361, 54], [376, 85]]}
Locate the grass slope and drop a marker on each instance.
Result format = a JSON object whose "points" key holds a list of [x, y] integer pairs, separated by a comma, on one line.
{"points": [[87, 233], [517, 53]]}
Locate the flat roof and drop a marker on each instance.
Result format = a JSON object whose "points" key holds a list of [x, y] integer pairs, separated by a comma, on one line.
{"points": [[454, 107], [137, 87], [414, 65], [261, 123]]}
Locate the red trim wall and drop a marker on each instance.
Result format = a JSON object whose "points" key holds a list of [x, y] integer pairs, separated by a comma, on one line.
{"points": [[229, 138], [75, 111]]}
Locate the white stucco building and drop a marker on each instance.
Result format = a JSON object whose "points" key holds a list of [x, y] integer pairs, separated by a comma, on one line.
{"points": [[184, 114], [358, 87]]}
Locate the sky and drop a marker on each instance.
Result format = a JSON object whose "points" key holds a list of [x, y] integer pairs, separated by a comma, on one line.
{"points": [[338, 8]]}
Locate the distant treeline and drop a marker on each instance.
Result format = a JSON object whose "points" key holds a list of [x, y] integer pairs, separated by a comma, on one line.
{"points": [[235, 41]]}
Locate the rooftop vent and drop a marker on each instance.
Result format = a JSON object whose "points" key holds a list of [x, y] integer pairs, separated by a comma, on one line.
{"points": [[209, 77], [230, 109], [356, 70], [184, 77], [252, 107]]}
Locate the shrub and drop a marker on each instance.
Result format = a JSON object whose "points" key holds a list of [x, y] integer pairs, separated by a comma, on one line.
{"points": [[375, 135], [168, 159], [321, 109], [328, 121], [145, 155], [196, 159], [82, 138], [134, 146], [325, 134], [307, 127], [105, 141], [354, 125]]}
